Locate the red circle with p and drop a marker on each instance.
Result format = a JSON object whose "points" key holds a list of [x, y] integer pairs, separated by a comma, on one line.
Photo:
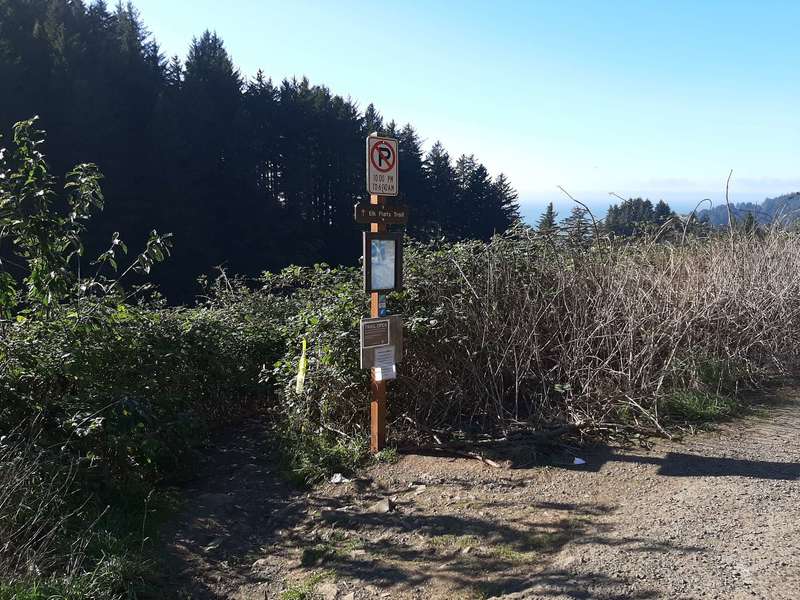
{"points": [[382, 156]]}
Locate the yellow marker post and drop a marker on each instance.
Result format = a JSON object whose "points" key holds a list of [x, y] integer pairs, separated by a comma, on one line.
{"points": [[302, 367]]}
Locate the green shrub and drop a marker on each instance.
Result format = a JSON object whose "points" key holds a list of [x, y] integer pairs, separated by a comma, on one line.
{"points": [[698, 407], [135, 388], [523, 332], [104, 393]]}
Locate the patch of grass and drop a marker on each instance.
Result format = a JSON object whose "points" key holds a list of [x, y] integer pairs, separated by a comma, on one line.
{"points": [[351, 545], [317, 554], [309, 458], [36, 590], [525, 549], [337, 547], [547, 541], [507, 553], [304, 590], [454, 542], [530, 547], [99, 546], [715, 373], [387, 456], [112, 578], [698, 407]]}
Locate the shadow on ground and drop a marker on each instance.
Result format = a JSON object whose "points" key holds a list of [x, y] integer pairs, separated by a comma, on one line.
{"points": [[232, 509], [239, 512], [524, 454], [485, 555], [679, 464], [246, 533]]}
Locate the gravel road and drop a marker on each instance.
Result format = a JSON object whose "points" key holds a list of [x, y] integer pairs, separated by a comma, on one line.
{"points": [[714, 516]]}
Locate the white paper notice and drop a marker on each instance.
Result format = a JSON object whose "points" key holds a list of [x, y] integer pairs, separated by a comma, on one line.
{"points": [[384, 357], [385, 374]]}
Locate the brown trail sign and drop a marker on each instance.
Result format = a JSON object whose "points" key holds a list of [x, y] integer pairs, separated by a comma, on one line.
{"points": [[386, 214]]}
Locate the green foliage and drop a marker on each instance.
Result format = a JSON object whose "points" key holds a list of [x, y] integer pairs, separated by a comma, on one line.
{"points": [[637, 217], [62, 539], [662, 213], [127, 394], [630, 217], [304, 590], [387, 456], [45, 241], [547, 222], [698, 407], [311, 455], [100, 398], [115, 577], [41, 231], [750, 224], [43, 590], [327, 305], [577, 229], [133, 388]]}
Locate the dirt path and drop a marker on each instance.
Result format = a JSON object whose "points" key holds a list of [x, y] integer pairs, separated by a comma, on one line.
{"points": [[717, 516]]}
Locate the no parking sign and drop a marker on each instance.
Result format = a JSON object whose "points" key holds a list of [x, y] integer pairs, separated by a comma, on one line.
{"points": [[382, 166]]}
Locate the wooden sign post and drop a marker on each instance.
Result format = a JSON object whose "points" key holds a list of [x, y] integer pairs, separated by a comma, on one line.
{"points": [[383, 262], [378, 405]]}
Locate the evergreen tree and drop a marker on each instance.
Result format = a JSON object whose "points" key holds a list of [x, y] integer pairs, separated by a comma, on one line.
{"points": [[210, 102], [662, 213], [547, 222], [475, 200], [505, 207], [577, 229], [373, 122], [412, 181], [442, 190], [631, 217]]}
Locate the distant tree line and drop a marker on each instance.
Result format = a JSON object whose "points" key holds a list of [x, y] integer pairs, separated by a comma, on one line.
{"points": [[631, 218], [247, 173], [781, 210]]}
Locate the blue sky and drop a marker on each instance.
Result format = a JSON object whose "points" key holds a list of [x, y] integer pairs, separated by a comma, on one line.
{"points": [[658, 99]]}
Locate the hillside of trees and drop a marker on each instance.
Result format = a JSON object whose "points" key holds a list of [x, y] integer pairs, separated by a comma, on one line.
{"points": [[246, 172], [632, 218], [784, 209]]}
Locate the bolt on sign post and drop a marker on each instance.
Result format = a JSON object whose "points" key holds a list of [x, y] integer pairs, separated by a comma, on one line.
{"points": [[381, 334]]}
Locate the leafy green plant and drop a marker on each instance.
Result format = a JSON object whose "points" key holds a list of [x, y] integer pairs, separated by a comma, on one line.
{"points": [[304, 590], [78, 425], [387, 456], [41, 230], [698, 407]]}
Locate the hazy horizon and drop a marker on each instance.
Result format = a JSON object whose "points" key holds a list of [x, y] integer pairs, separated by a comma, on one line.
{"points": [[532, 205]]}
